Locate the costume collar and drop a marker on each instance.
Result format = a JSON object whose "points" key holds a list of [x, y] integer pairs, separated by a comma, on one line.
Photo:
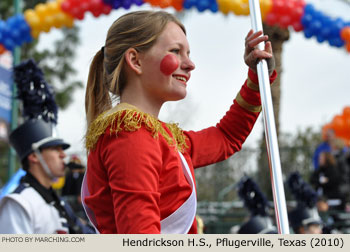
{"points": [[126, 117]]}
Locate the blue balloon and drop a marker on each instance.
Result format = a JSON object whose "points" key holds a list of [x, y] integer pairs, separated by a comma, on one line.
{"points": [[318, 15], [214, 7], [16, 36], [337, 42], [9, 44], [337, 26], [306, 20], [315, 27], [188, 4], [309, 9], [138, 2], [6, 32], [202, 5], [320, 38], [116, 4], [325, 32], [127, 4], [308, 33], [326, 21]]}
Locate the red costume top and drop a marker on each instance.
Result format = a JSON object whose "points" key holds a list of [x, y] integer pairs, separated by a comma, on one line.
{"points": [[135, 177]]}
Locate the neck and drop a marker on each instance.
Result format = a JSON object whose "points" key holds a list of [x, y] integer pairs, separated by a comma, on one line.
{"points": [[38, 172], [144, 107], [138, 97]]}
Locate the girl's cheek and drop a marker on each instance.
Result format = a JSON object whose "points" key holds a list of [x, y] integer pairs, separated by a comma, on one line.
{"points": [[169, 64]]}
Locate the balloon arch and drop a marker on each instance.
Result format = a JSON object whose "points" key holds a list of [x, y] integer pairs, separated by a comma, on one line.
{"points": [[298, 14]]}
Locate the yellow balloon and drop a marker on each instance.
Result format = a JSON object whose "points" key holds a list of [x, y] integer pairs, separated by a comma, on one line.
{"points": [[45, 26], [49, 20], [265, 6], [245, 9], [32, 19], [29, 13], [52, 8], [69, 21], [59, 19], [236, 7], [41, 10], [35, 33], [224, 6]]}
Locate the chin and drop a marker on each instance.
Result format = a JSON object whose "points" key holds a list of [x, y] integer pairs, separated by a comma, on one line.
{"points": [[179, 95]]}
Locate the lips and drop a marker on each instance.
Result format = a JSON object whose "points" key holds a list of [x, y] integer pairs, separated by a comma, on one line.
{"points": [[182, 78]]}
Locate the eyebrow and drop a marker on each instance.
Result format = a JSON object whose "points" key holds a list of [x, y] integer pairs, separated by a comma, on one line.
{"points": [[181, 45]]}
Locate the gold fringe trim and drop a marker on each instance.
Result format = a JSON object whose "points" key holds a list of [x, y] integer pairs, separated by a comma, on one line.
{"points": [[127, 117]]}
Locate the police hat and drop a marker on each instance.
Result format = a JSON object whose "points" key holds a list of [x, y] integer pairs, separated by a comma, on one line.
{"points": [[304, 216], [34, 133], [258, 225]]}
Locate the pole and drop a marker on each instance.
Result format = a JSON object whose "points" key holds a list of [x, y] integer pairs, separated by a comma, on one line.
{"points": [[14, 105], [270, 129]]}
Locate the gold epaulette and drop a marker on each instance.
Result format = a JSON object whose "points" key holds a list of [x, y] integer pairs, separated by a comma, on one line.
{"points": [[127, 117]]}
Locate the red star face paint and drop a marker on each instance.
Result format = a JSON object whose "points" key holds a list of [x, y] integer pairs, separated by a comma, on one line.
{"points": [[169, 64]]}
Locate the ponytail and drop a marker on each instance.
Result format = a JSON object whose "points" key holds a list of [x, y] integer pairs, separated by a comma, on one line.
{"points": [[97, 99]]}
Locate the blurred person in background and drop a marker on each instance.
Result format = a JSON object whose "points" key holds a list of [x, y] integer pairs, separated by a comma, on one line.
{"points": [[34, 207], [327, 145]]}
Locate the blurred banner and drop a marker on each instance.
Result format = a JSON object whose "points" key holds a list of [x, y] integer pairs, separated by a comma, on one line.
{"points": [[5, 102]]}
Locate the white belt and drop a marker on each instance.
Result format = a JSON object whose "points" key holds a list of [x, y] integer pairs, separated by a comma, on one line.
{"points": [[179, 222]]}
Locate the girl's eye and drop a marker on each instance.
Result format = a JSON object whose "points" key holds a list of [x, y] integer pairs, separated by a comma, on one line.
{"points": [[175, 51]]}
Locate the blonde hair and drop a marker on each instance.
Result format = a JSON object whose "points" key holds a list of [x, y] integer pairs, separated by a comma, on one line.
{"points": [[138, 30]]}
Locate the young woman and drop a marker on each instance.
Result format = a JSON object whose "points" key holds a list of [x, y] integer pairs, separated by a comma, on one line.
{"points": [[140, 174]]}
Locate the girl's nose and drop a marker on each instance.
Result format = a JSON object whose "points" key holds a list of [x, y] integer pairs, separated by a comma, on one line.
{"points": [[188, 65]]}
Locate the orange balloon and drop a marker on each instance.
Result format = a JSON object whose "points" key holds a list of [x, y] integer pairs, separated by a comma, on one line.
{"points": [[345, 33], [338, 125], [347, 128], [2, 49], [347, 46], [346, 112]]}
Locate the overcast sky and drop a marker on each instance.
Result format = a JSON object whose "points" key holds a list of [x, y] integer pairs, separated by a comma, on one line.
{"points": [[315, 78]]}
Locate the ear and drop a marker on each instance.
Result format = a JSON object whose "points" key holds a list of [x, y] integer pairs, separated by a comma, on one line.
{"points": [[132, 58], [32, 158]]}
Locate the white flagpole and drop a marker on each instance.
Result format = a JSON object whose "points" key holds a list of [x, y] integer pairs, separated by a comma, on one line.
{"points": [[270, 129]]}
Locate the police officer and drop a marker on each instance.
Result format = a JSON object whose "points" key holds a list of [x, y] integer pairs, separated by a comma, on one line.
{"points": [[34, 207]]}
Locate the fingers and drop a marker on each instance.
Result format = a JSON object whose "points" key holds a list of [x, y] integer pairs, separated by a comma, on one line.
{"points": [[252, 35], [253, 42], [252, 53], [268, 47]]}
